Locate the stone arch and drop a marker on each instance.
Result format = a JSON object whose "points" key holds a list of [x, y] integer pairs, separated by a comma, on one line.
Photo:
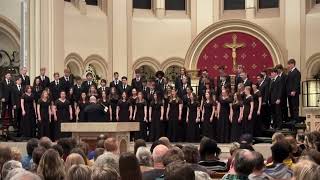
{"points": [[233, 25], [149, 61], [75, 63], [173, 61], [10, 29], [99, 63], [313, 65]]}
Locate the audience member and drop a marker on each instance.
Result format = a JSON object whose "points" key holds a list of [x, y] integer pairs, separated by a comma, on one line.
{"points": [[45, 142], [97, 153], [138, 143], [179, 170], [144, 158], [165, 141], [157, 156], [67, 145], [104, 173], [5, 155], [172, 155], [14, 172], [129, 167], [59, 149], [241, 165], [306, 170], [312, 155], [16, 154], [99, 145], [51, 166], [82, 154], [79, 172], [110, 145], [313, 140], [277, 137], [8, 166], [192, 156], [73, 159], [26, 160], [259, 166], [109, 159], [246, 139], [36, 157], [26, 175]]}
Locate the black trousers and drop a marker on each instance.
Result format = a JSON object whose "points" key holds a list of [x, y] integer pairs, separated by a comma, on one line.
{"points": [[265, 116], [276, 115], [294, 107], [18, 117], [284, 108]]}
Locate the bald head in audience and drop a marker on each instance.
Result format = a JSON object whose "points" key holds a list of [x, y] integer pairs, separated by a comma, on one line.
{"points": [[157, 155]]}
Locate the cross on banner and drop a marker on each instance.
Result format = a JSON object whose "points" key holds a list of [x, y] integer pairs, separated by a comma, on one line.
{"points": [[234, 46]]}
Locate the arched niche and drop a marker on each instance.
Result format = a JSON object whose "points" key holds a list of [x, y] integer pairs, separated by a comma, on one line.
{"points": [[98, 63], [313, 65], [149, 62], [75, 63]]}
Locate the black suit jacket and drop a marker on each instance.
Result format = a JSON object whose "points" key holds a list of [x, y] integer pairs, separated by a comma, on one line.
{"points": [[5, 90], [264, 90], [77, 92], [178, 82], [94, 113], [66, 85], [238, 80], [85, 86], [182, 92], [145, 92], [106, 89], [127, 90], [137, 84], [113, 84], [275, 90], [25, 81], [283, 79], [16, 95], [293, 81], [45, 83], [247, 83], [55, 90], [227, 85]]}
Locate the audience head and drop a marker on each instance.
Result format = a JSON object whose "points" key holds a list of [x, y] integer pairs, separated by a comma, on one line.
{"points": [[306, 170], [45, 142], [98, 152], [37, 154], [139, 143], [58, 148], [109, 159], [67, 145], [51, 166], [258, 161], [280, 151], [157, 155], [31, 145], [16, 154], [312, 155], [172, 155], [110, 145], [79, 172], [246, 138], [209, 149], [246, 146], [243, 162], [234, 146], [144, 157], [73, 159], [25, 175], [179, 171], [129, 167], [8, 166], [277, 137], [313, 140], [5, 154], [104, 173], [191, 154], [13, 172]]}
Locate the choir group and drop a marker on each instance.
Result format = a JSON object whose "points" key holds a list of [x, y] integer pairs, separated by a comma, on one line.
{"points": [[161, 107]]}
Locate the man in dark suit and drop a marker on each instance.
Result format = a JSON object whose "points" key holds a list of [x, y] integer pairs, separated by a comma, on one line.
{"points": [[44, 80], [223, 82], [183, 89], [283, 78], [275, 99], [224, 74], [145, 88], [124, 86], [293, 90], [89, 82], [137, 81], [263, 86], [17, 91], [24, 77], [5, 94], [103, 87], [238, 78], [245, 80], [178, 81], [116, 81], [202, 82], [94, 112], [56, 87], [77, 88], [67, 81]]}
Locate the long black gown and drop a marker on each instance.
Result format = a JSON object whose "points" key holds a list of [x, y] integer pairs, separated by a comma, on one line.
{"points": [[114, 102], [132, 101], [63, 115], [173, 124], [124, 113], [81, 115], [28, 124], [223, 124], [247, 125], [156, 125], [142, 134], [208, 128], [165, 120], [256, 120], [44, 125], [192, 132], [106, 114], [236, 125]]}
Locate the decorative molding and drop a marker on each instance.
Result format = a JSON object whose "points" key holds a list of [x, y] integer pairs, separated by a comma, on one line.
{"points": [[173, 61], [74, 58], [148, 61], [311, 62], [9, 28], [226, 26], [100, 61]]}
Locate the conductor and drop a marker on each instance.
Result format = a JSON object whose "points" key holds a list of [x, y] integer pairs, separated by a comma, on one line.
{"points": [[94, 112]]}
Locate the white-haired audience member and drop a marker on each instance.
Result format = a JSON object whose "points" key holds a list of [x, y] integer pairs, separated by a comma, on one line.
{"points": [[144, 157], [8, 166]]}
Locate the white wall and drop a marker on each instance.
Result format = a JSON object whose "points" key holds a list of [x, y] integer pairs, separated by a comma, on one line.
{"points": [[11, 9]]}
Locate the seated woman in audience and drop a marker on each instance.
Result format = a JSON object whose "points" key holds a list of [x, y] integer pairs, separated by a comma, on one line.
{"points": [[129, 167], [79, 172], [51, 166], [73, 159], [104, 173]]}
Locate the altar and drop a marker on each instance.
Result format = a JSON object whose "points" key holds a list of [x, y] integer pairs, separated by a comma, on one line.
{"points": [[90, 131]]}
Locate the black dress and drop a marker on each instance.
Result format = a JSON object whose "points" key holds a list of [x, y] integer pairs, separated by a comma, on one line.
{"points": [[37, 91], [28, 124], [114, 102], [247, 125], [192, 132], [63, 115], [81, 114], [257, 125], [44, 125], [165, 120], [208, 128], [142, 134], [133, 104], [124, 111], [173, 124], [156, 124], [223, 123], [236, 125], [107, 114]]}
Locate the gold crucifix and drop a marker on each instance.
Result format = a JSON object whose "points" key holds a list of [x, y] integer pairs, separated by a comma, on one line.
{"points": [[234, 46]]}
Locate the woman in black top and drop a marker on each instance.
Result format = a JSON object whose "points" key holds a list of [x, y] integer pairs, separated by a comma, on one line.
{"points": [[44, 115], [71, 99], [28, 107], [37, 90], [156, 117], [113, 98], [208, 109], [248, 105], [257, 99], [124, 109], [193, 117], [104, 101], [140, 115], [224, 118], [133, 99], [62, 113], [236, 114], [81, 105], [174, 113]]}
